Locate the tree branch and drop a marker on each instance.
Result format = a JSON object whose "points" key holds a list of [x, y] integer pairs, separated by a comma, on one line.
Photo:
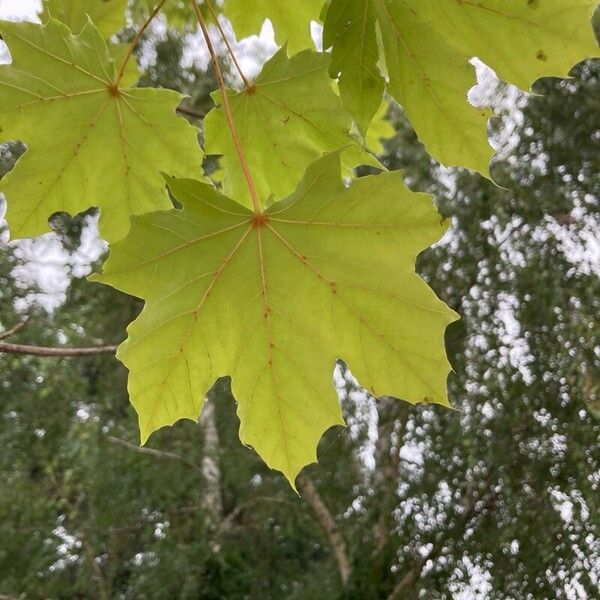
{"points": [[151, 451], [135, 41], [191, 112], [15, 329], [327, 522], [212, 501], [7, 348], [227, 44]]}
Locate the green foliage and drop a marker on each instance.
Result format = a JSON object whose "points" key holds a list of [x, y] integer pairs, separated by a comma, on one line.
{"points": [[107, 15], [425, 49], [291, 20], [82, 517], [368, 308], [92, 140], [273, 296], [380, 129], [285, 121]]}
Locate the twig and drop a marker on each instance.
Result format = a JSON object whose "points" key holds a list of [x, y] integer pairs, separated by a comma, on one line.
{"points": [[10, 332], [227, 110], [191, 112], [135, 41], [227, 44], [151, 451], [327, 522], [7, 348]]}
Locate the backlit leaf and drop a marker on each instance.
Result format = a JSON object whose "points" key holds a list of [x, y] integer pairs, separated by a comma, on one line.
{"points": [[286, 120], [89, 143], [107, 15], [426, 46], [380, 129], [328, 273], [291, 20]]}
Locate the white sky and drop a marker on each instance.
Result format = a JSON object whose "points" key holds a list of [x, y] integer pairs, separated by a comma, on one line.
{"points": [[19, 9]]}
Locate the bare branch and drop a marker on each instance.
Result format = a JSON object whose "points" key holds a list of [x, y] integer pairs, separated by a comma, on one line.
{"points": [[15, 329], [191, 112], [135, 41], [7, 348], [151, 451], [327, 522]]}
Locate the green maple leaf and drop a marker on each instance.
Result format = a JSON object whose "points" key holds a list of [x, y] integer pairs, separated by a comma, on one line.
{"points": [[426, 46], [379, 130], [107, 15], [273, 300], [291, 20], [90, 143], [285, 120], [355, 58]]}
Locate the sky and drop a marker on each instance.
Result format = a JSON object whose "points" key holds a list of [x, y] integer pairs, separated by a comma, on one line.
{"points": [[19, 9]]}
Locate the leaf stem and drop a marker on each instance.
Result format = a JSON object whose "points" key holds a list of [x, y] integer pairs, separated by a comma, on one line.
{"points": [[227, 110], [227, 44], [135, 41]]}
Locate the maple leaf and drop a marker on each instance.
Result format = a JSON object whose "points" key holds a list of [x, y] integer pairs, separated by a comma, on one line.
{"points": [[379, 129], [274, 299], [425, 49], [285, 120], [291, 20], [90, 141], [107, 15]]}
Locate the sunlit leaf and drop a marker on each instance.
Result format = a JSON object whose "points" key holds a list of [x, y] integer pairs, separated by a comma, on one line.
{"points": [[291, 20], [426, 47], [286, 120], [273, 300], [90, 143], [107, 15]]}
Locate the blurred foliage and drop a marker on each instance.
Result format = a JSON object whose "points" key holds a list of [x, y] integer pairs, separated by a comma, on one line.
{"points": [[500, 495]]}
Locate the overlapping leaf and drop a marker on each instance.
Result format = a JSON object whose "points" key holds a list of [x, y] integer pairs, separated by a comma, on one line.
{"points": [[426, 47], [274, 300], [90, 143], [379, 130], [107, 15], [285, 120], [291, 20]]}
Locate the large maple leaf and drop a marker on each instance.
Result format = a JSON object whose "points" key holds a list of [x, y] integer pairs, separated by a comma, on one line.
{"points": [[90, 141], [424, 46], [274, 299], [286, 119]]}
